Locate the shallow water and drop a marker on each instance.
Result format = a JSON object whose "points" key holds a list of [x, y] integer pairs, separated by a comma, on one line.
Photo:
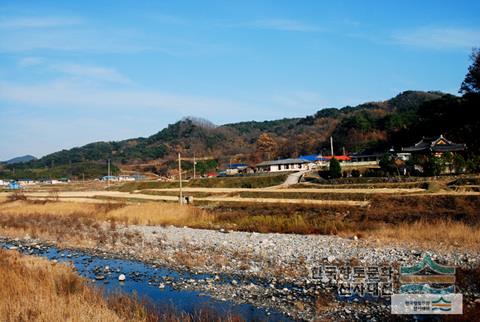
{"points": [[144, 280]]}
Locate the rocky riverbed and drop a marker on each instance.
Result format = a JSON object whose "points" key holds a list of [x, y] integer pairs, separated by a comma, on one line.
{"points": [[271, 270]]}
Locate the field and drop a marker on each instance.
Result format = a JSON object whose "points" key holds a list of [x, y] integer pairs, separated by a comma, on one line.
{"points": [[225, 182], [389, 217]]}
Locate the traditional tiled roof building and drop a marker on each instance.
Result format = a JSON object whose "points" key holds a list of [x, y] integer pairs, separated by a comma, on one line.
{"points": [[437, 146]]}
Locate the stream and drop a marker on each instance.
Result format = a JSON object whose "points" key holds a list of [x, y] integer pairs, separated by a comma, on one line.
{"points": [[163, 287]]}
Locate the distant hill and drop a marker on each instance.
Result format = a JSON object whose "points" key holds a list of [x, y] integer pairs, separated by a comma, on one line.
{"points": [[22, 159], [378, 126]]}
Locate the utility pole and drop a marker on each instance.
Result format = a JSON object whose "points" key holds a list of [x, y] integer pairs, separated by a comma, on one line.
{"points": [[194, 166], [108, 174], [331, 146], [343, 148], [180, 178]]}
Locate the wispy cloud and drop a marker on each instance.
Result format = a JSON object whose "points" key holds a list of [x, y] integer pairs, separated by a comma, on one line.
{"points": [[96, 39], [275, 24], [38, 22], [62, 93], [93, 72], [168, 19], [30, 61], [79, 39], [438, 37]]}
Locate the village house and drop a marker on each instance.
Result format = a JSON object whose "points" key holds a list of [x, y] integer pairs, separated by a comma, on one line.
{"points": [[435, 146], [236, 168], [284, 165], [26, 182], [373, 158]]}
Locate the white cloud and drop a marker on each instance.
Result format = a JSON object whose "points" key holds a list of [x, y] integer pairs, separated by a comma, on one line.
{"points": [[30, 61], [71, 39], [93, 72], [38, 22], [168, 19], [438, 37], [275, 24], [68, 94]]}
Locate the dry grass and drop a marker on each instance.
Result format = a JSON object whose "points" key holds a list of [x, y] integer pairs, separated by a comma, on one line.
{"points": [[436, 233], [35, 290], [430, 219], [152, 213], [155, 213]]}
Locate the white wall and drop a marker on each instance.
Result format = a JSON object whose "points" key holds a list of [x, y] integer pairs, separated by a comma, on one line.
{"points": [[288, 167]]}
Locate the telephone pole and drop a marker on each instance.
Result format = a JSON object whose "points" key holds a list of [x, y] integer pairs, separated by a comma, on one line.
{"points": [[180, 178], [194, 166], [108, 173], [331, 146]]}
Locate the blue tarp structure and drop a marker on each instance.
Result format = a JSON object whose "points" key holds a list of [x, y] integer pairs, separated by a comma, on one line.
{"points": [[14, 185], [238, 166], [311, 157], [113, 178]]}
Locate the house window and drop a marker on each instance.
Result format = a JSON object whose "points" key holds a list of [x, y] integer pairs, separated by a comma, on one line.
{"points": [[279, 167]]}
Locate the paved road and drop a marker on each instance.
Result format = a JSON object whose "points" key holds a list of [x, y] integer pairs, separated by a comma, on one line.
{"points": [[294, 178]]}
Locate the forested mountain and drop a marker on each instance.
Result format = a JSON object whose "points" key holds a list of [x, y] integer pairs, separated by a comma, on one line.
{"points": [[21, 159], [376, 126]]}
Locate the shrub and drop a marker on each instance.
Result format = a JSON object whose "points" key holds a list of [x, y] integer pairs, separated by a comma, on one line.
{"points": [[335, 170]]}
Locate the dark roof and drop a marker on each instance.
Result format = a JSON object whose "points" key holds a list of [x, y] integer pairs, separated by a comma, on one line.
{"points": [[440, 144], [284, 161]]}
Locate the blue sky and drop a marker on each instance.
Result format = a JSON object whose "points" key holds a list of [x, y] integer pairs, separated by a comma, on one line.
{"points": [[74, 72]]}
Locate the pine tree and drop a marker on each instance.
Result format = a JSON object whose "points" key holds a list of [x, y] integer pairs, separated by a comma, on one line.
{"points": [[335, 170]]}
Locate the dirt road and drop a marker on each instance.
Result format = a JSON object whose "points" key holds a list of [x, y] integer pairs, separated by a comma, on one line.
{"points": [[82, 195], [304, 190]]}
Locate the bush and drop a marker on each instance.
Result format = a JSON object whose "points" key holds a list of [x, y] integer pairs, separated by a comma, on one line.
{"points": [[17, 195], [335, 170]]}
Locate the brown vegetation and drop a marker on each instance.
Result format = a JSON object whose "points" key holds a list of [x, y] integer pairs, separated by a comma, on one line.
{"points": [[433, 219], [35, 290], [225, 182]]}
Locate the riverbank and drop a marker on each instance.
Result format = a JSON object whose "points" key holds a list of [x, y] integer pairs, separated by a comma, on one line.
{"points": [[34, 289], [267, 270], [270, 270]]}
